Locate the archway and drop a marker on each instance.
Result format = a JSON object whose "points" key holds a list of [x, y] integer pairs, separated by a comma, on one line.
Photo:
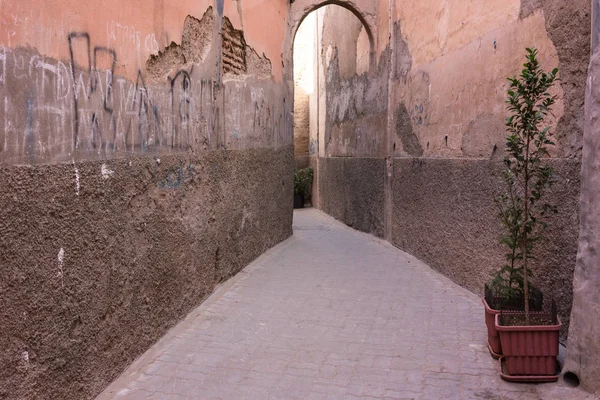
{"points": [[329, 39], [364, 10]]}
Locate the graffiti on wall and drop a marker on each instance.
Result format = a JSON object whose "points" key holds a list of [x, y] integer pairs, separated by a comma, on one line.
{"points": [[81, 107]]}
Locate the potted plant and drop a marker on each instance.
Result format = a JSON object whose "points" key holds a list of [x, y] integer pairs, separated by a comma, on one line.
{"points": [[302, 184], [506, 290], [505, 293], [529, 339]]}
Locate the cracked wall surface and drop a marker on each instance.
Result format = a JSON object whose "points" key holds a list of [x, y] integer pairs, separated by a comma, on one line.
{"points": [[196, 42], [138, 170]]}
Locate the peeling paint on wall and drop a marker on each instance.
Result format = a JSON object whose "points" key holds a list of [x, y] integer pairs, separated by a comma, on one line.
{"points": [[239, 58], [196, 43], [82, 108]]}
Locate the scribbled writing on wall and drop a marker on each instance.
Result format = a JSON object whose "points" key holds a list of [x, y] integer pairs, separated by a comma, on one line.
{"points": [[79, 107]]}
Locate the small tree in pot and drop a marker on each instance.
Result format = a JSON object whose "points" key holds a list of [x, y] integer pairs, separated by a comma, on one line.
{"points": [[527, 178], [521, 210]]}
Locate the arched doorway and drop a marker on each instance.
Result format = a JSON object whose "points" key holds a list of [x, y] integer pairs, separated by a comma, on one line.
{"points": [[330, 40]]}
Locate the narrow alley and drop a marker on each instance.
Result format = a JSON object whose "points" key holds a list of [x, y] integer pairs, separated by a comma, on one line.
{"points": [[331, 313]]}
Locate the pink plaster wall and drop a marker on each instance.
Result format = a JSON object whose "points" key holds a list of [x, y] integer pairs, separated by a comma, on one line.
{"points": [[135, 29]]}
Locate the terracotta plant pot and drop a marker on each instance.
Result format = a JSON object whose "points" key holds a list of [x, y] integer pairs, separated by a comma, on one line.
{"points": [[525, 378], [507, 304], [529, 350], [494, 345]]}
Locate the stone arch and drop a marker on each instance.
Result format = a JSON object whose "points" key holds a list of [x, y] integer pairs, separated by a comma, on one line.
{"points": [[300, 9], [344, 4]]}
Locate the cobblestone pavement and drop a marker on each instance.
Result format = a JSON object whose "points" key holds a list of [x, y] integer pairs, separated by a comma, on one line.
{"points": [[329, 314]]}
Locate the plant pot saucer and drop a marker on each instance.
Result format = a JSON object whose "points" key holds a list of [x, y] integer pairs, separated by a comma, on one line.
{"points": [[494, 354], [526, 378]]}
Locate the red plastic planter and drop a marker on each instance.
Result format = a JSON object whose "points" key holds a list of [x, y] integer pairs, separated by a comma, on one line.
{"points": [[529, 350], [493, 337], [525, 378]]}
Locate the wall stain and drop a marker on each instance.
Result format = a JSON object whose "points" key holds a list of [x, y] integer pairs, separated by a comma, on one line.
{"points": [[405, 132]]}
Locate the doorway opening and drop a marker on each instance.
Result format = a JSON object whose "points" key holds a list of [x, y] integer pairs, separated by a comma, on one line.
{"points": [[330, 42]]}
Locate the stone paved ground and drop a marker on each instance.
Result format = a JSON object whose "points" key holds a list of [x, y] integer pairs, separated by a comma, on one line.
{"points": [[329, 314]]}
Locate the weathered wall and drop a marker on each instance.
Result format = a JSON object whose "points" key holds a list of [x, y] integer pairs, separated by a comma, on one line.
{"points": [[86, 93], [444, 212], [136, 29], [356, 113], [93, 280], [341, 30], [451, 106], [432, 108], [145, 156], [583, 351], [456, 87], [568, 25], [351, 190]]}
